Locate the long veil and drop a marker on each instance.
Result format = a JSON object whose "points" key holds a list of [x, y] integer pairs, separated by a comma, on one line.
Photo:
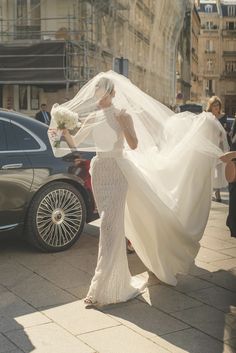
{"points": [[169, 174]]}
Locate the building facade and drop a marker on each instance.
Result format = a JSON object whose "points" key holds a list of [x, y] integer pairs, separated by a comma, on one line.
{"points": [[50, 49], [217, 52], [183, 62], [187, 60], [227, 89], [195, 93]]}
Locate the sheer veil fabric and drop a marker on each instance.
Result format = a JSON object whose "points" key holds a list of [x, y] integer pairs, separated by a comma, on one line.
{"points": [[169, 175]]}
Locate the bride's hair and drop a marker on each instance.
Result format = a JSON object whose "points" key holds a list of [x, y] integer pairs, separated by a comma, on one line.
{"points": [[105, 85], [213, 100]]}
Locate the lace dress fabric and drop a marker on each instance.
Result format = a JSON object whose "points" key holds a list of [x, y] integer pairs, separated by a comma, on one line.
{"points": [[112, 281]]}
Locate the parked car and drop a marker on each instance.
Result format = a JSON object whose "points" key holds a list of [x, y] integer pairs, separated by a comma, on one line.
{"points": [[48, 199], [230, 120], [191, 107]]}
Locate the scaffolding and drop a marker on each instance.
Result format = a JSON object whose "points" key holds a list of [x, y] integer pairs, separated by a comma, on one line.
{"points": [[79, 32], [93, 33]]}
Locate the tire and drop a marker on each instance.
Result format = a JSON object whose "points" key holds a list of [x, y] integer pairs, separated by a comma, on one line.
{"points": [[56, 217]]}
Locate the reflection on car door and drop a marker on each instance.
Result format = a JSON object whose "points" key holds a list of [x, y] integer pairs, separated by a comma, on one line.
{"points": [[16, 176]]}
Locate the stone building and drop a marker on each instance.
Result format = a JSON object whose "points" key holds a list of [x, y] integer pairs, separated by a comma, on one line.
{"points": [[187, 88], [227, 86], [183, 63], [195, 32], [50, 49], [217, 52]]}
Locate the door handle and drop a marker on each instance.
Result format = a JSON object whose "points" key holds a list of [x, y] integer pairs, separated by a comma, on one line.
{"points": [[12, 166]]}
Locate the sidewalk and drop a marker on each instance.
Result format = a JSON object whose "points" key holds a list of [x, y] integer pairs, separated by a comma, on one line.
{"points": [[41, 306]]}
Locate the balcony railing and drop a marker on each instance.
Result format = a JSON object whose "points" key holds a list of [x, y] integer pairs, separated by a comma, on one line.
{"points": [[229, 32], [229, 53], [210, 51], [27, 32], [209, 28], [209, 73], [228, 74]]}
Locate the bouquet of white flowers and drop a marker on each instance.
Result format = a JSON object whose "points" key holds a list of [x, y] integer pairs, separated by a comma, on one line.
{"points": [[65, 119]]}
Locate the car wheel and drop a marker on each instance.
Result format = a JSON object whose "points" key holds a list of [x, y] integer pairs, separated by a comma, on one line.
{"points": [[56, 217]]}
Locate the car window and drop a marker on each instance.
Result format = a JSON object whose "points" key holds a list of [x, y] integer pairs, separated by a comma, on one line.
{"points": [[19, 139], [194, 108], [3, 141]]}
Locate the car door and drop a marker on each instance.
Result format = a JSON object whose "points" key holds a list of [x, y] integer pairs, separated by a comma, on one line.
{"points": [[16, 175]]}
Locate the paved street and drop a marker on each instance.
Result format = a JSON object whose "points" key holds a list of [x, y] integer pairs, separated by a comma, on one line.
{"points": [[41, 306]]}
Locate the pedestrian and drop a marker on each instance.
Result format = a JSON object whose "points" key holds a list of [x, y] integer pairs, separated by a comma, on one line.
{"points": [[226, 126], [233, 135], [151, 180], [214, 106], [43, 115], [112, 281], [231, 218]]}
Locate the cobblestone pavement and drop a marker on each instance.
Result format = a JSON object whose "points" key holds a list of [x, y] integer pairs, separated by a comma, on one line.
{"points": [[41, 306]]}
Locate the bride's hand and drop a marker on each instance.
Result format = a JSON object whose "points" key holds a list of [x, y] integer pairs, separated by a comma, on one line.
{"points": [[69, 139], [65, 132], [52, 132], [228, 156]]}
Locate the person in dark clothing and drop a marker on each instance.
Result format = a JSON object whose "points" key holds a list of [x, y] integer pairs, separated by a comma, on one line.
{"points": [[226, 126], [231, 219], [233, 135], [43, 115]]}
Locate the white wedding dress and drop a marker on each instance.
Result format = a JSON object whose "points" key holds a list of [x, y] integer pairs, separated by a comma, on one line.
{"points": [[162, 189], [112, 282], [164, 217]]}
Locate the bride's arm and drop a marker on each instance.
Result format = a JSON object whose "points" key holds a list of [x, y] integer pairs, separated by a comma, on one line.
{"points": [[80, 136], [228, 156], [127, 126]]}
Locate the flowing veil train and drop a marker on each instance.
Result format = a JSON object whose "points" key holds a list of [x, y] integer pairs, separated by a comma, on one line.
{"points": [[169, 175]]}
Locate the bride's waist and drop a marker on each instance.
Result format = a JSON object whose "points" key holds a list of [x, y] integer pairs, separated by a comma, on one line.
{"points": [[111, 154]]}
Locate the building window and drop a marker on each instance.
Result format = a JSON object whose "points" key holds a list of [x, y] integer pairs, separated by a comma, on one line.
{"points": [[209, 45], [210, 87], [230, 66], [23, 97], [209, 25], [209, 64], [27, 19], [28, 97], [34, 98], [230, 25], [231, 10], [208, 8]]}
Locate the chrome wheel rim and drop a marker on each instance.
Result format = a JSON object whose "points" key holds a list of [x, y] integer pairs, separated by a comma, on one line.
{"points": [[59, 217]]}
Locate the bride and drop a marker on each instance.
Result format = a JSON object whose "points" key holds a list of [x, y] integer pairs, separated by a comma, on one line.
{"points": [[151, 178]]}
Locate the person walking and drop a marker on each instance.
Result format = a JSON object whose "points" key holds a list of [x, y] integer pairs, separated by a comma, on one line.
{"points": [[151, 179], [231, 218], [233, 135], [43, 115], [112, 281], [214, 106]]}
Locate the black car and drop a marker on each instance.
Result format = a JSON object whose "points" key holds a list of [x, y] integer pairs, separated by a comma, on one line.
{"points": [[46, 198], [230, 120], [191, 107]]}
